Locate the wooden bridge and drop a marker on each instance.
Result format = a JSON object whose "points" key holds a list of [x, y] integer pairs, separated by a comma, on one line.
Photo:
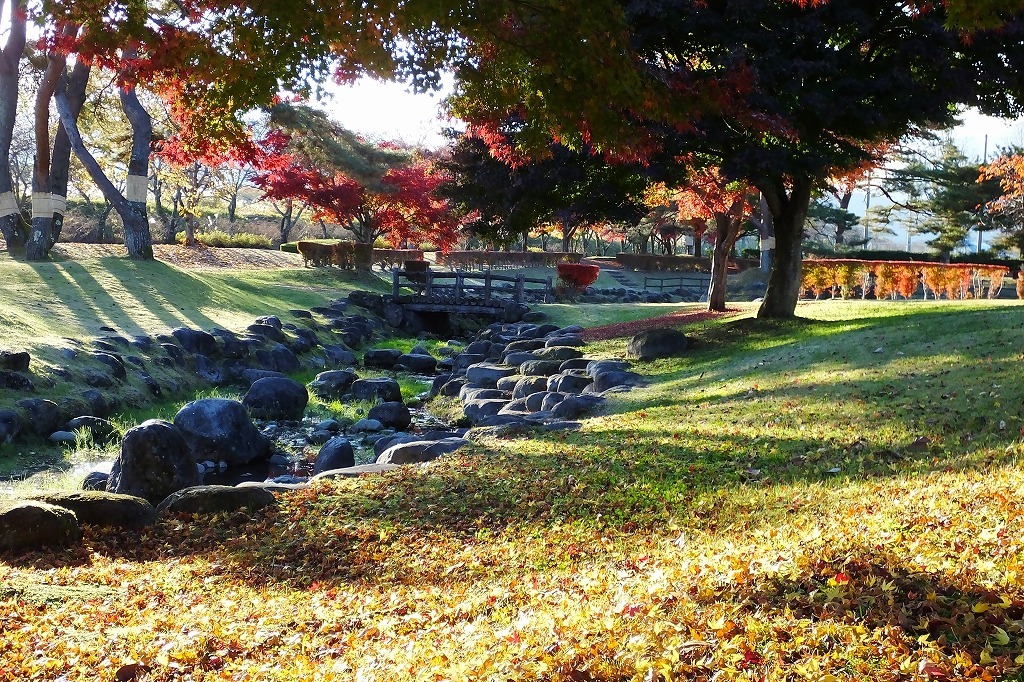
{"points": [[464, 292]]}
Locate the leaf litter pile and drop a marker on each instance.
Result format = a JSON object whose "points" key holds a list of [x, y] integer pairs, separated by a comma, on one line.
{"points": [[694, 531]]}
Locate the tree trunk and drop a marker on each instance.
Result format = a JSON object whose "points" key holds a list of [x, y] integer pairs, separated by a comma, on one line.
{"points": [[136, 225], [38, 245], [697, 238], [844, 204], [60, 166], [133, 211], [10, 212], [727, 231], [788, 211]]}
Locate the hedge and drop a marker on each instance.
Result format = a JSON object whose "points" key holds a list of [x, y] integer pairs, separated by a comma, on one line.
{"points": [[659, 263], [886, 279], [495, 260]]}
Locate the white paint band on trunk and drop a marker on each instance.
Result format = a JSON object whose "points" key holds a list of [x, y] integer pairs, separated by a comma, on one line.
{"points": [[42, 205], [8, 204], [136, 189], [58, 203]]}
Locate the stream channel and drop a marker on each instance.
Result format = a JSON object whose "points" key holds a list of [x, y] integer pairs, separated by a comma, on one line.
{"points": [[292, 461]]}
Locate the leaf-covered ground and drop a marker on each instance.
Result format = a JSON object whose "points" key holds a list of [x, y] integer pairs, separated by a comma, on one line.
{"points": [[829, 500]]}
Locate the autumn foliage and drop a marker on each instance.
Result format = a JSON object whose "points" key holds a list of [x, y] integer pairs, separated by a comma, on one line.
{"points": [[577, 276], [887, 279]]}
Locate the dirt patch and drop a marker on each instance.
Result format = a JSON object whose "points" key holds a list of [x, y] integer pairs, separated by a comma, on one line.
{"points": [[188, 257], [622, 329]]}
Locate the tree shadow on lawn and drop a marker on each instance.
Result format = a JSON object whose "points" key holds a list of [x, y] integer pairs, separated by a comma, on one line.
{"points": [[91, 304], [803, 344], [365, 529]]}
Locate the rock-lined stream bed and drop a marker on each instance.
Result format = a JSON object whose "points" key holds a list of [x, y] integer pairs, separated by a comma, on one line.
{"points": [[220, 453]]}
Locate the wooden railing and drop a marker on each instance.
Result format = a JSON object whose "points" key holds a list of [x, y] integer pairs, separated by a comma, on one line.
{"points": [[673, 282], [467, 288]]}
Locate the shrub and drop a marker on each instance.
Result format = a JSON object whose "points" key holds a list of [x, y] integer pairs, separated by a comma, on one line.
{"points": [[219, 239], [290, 247], [577, 276]]}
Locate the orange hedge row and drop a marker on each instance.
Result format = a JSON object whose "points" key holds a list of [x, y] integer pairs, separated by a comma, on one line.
{"points": [[843, 277]]}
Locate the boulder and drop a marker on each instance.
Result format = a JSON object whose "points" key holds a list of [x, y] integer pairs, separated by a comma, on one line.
{"points": [[214, 499], [268, 332], [355, 471], [452, 388], [575, 363], [15, 361], [477, 409], [271, 321], [518, 406], [284, 359], [99, 405], [15, 381], [103, 508], [62, 438], [39, 417], [276, 398], [568, 383], [508, 384], [551, 399], [471, 393], [559, 353], [519, 357], [463, 361], [604, 381], [393, 415], [657, 343], [384, 389], [209, 371], [595, 367], [570, 340], [480, 347], [339, 357], [382, 358], [416, 452], [535, 401], [196, 341], [335, 454], [486, 374], [95, 480], [154, 462], [250, 376], [527, 386], [524, 345], [332, 384], [541, 368], [113, 363], [220, 430], [364, 425], [27, 524], [535, 316], [10, 425], [575, 406], [439, 381], [418, 363]]}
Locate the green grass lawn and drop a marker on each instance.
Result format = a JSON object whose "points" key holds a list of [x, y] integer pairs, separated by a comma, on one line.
{"points": [[833, 498]]}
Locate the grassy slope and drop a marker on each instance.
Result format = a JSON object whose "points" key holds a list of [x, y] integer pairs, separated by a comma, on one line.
{"points": [[762, 511], [49, 303]]}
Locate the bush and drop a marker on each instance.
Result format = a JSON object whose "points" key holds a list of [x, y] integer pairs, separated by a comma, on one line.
{"points": [[577, 276], [219, 239], [290, 247]]}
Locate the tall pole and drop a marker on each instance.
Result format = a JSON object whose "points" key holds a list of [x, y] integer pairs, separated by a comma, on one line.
{"points": [[984, 160]]}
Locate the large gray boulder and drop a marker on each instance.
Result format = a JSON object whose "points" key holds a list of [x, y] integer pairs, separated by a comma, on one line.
{"points": [[196, 341], [486, 374], [519, 357], [334, 454], [476, 410], [10, 425], [418, 363], [332, 384], [568, 383], [27, 524], [382, 358], [40, 417], [214, 499], [218, 429], [394, 415], [657, 343], [528, 386], [384, 389], [154, 462], [559, 353], [276, 398], [540, 368], [420, 451], [604, 381], [571, 340], [101, 430], [575, 406], [101, 508]]}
